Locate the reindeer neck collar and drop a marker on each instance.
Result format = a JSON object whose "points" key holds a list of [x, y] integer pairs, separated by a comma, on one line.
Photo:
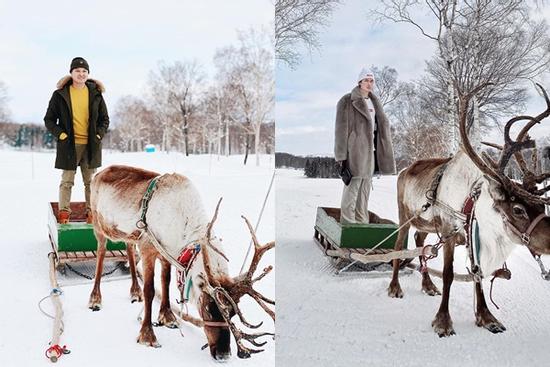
{"points": [[142, 222]]}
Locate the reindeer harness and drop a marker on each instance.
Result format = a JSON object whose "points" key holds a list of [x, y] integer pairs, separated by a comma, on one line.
{"points": [[187, 257]]}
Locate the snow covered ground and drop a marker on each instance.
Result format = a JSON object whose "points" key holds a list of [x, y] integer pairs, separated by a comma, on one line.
{"points": [[28, 182], [325, 320]]}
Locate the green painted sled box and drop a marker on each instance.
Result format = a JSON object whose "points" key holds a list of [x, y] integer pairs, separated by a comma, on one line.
{"points": [[369, 235], [76, 235]]}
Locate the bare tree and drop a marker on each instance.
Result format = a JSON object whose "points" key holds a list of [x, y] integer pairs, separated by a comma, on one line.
{"points": [[4, 111], [416, 134], [479, 42], [387, 87], [297, 22], [133, 122], [249, 73], [175, 89], [220, 108]]}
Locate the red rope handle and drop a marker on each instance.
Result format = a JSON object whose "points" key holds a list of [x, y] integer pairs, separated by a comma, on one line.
{"points": [[57, 349]]}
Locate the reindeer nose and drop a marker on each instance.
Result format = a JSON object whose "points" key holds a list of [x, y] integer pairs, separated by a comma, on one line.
{"points": [[223, 356]]}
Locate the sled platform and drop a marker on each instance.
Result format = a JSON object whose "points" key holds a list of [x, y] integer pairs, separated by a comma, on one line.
{"points": [[350, 246], [75, 241]]}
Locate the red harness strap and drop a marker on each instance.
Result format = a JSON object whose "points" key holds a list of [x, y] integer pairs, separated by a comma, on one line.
{"points": [[186, 258]]}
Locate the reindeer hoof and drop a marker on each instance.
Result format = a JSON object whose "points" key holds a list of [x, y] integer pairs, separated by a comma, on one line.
{"points": [[137, 298], [394, 290], [136, 295], [443, 326], [167, 318], [431, 290], [490, 323], [495, 328], [94, 306], [148, 341]]}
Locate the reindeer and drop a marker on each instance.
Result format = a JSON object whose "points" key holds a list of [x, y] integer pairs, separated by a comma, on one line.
{"points": [[507, 212], [165, 219]]}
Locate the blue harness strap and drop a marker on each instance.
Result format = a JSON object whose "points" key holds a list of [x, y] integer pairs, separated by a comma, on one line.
{"points": [[142, 222]]}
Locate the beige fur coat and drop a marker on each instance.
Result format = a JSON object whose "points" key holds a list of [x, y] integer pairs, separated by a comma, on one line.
{"points": [[354, 136]]}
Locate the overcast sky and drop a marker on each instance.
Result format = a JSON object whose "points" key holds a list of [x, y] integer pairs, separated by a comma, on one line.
{"points": [[307, 96], [122, 41]]}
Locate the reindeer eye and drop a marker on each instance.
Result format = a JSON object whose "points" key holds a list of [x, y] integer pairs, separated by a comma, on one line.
{"points": [[519, 211]]}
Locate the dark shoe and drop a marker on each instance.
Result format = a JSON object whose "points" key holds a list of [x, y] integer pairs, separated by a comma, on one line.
{"points": [[63, 216]]}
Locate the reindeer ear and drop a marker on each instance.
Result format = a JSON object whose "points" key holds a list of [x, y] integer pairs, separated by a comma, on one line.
{"points": [[495, 189]]}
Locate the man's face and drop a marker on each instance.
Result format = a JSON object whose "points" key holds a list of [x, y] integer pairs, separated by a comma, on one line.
{"points": [[367, 84], [79, 75]]}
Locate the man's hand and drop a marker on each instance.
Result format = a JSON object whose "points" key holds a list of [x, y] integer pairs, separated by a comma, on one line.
{"points": [[62, 136]]}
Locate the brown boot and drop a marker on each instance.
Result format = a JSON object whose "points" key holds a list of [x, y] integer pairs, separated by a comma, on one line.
{"points": [[89, 217], [63, 216]]}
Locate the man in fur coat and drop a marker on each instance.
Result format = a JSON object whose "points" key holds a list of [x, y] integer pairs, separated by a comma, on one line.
{"points": [[77, 117], [362, 145]]}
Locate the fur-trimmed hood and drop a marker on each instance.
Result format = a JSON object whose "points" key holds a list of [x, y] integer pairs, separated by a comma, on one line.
{"points": [[68, 79]]}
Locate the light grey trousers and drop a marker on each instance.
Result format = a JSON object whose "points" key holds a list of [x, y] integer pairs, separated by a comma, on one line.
{"points": [[355, 201], [67, 179]]}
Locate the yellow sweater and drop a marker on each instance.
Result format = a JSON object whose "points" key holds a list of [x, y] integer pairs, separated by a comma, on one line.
{"points": [[79, 104]]}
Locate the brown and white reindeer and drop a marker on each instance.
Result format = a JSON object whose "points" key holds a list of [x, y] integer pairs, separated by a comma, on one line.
{"points": [[174, 218], [507, 212]]}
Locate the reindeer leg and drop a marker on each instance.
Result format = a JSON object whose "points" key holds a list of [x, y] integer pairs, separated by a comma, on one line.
{"points": [[135, 290], [95, 297], [166, 316], [442, 324], [484, 317], [146, 334], [428, 286], [394, 289]]}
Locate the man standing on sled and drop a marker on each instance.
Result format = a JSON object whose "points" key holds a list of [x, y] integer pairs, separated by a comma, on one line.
{"points": [[77, 117], [362, 146]]}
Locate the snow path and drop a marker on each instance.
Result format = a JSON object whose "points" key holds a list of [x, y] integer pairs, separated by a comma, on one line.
{"points": [[108, 337], [324, 320]]}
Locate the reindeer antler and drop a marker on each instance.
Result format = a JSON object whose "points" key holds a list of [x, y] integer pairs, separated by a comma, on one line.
{"points": [[205, 256], [244, 281], [227, 299], [528, 190]]}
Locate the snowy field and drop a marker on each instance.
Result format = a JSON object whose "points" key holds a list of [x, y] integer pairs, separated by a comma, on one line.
{"points": [[28, 182], [325, 320]]}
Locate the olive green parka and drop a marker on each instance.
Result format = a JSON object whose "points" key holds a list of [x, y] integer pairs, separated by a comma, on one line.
{"points": [[59, 119]]}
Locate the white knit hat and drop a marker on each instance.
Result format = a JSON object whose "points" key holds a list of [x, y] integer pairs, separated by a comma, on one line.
{"points": [[364, 74]]}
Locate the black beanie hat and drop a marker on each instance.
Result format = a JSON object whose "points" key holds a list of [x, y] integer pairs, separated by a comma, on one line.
{"points": [[79, 62]]}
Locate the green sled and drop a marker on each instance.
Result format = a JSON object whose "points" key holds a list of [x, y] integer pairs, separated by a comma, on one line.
{"points": [[76, 235], [364, 236]]}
